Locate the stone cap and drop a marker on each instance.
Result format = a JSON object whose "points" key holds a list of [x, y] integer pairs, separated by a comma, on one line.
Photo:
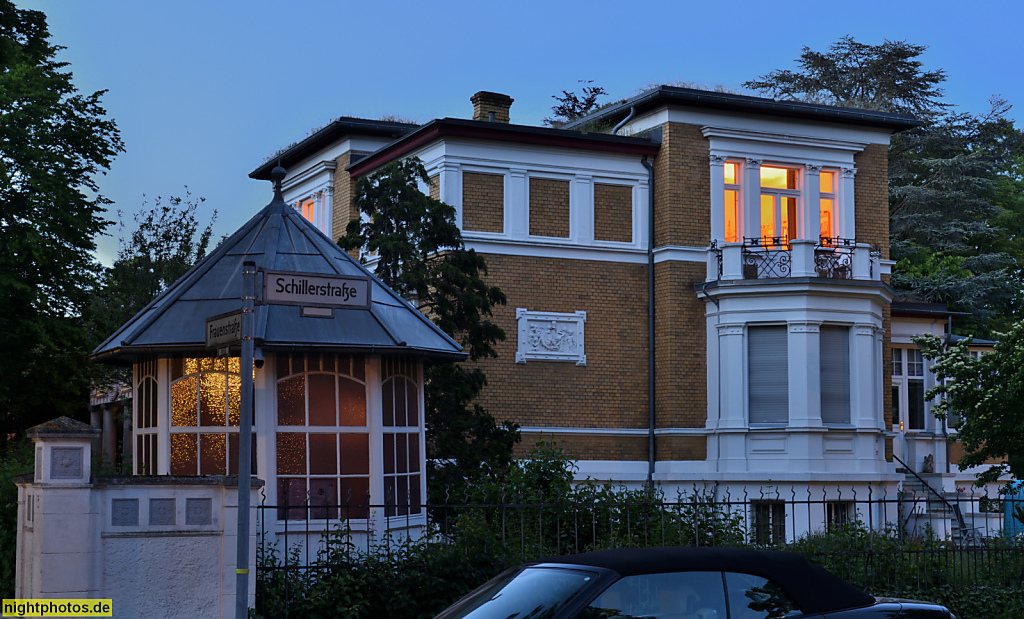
{"points": [[63, 427]]}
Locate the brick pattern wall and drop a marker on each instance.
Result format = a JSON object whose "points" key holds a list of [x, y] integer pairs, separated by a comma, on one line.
{"points": [[871, 195], [611, 390], [549, 207], [483, 202], [680, 347], [680, 448], [435, 186], [344, 192], [613, 213], [682, 188], [590, 447]]}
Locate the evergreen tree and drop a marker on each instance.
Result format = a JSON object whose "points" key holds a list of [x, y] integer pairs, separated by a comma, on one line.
{"points": [[950, 180], [419, 252], [53, 141], [574, 107]]}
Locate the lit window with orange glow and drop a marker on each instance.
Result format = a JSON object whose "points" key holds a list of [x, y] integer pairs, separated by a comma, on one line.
{"points": [[732, 202], [206, 395], [827, 186], [779, 199]]}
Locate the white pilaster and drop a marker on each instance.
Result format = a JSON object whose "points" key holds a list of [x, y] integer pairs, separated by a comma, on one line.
{"points": [[717, 198], [517, 204], [846, 219], [163, 415], [750, 218], [581, 210], [804, 375], [810, 214], [450, 188]]}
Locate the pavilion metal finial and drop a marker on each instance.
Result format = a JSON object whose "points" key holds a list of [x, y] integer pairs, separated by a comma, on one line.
{"points": [[278, 174]]}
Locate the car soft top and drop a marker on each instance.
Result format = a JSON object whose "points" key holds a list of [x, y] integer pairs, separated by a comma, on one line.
{"points": [[814, 589]]}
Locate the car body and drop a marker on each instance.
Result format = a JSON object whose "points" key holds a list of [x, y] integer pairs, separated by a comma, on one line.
{"points": [[678, 583]]}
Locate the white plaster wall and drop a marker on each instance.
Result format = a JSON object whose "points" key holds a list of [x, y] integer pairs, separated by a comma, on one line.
{"points": [[165, 576]]}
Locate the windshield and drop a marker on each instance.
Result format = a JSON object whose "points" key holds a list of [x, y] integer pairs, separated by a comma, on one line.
{"points": [[533, 593]]}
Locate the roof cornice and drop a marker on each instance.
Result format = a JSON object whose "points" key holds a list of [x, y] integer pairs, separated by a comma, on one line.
{"points": [[481, 130]]}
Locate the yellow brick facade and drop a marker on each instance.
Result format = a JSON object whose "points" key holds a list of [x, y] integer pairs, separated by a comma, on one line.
{"points": [[483, 202], [549, 207], [613, 213]]}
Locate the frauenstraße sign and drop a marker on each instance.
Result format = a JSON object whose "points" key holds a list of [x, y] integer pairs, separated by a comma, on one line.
{"points": [[315, 290], [224, 330]]}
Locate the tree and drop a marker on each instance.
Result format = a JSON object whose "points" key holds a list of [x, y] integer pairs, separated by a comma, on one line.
{"points": [[986, 393], [574, 107], [165, 243], [948, 230], [420, 254], [53, 141]]}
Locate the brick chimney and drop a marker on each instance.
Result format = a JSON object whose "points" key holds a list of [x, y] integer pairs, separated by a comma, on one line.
{"points": [[491, 106]]}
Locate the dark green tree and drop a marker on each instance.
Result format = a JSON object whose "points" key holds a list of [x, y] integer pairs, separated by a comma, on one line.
{"points": [[53, 142], [986, 394], [420, 254], [572, 106], [949, 179], [165, 242]]}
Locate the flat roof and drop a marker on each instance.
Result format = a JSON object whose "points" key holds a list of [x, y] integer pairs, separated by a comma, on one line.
{"points": [[483, 130], [720, 101]]}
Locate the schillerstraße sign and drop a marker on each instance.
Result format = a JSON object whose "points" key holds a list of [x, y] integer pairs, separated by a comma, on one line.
{"points": [[315, 290], [224, 330]]}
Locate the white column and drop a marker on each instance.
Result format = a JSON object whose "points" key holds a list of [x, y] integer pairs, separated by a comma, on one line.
{"points": [[375, 420], [865, 388], [450, 188], [846, 219], [717, 198], [810, 215], [750, 218], [517, 203], [732, 423], [804, 375], [581, 210], [641, 213], [163, 415]]}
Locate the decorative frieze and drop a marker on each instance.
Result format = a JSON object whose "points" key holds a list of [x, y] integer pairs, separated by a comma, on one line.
{"points": [[550, 336]]}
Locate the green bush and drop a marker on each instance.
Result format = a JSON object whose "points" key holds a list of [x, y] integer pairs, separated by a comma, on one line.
{"points": [[16, 460]]}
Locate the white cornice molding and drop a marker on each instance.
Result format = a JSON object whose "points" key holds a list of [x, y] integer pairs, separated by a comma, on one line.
{"points": [[748, 135], [565, 251], [325, 167], [680, 253]]}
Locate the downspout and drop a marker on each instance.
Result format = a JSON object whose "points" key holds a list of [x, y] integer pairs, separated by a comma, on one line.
{"points": [[625, 120], [650, 319]]}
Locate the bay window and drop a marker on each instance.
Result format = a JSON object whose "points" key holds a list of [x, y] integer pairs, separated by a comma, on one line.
{"points": [[732, 202], [780, 193]]}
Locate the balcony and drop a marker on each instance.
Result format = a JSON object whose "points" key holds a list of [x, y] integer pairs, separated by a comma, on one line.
{"points": [[779, 257]]}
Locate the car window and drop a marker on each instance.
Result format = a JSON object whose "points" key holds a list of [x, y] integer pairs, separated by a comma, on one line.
{"points": [[675, 595], [533, 593], [754, 597]]}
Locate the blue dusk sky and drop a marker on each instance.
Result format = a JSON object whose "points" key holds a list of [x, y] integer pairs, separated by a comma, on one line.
{"points": [[203, 91]]}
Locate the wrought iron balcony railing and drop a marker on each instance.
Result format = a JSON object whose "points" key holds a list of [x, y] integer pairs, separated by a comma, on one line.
{"points": [[781, 257]]}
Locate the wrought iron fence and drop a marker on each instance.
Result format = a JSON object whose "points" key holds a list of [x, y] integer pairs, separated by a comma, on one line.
{"points": [[833, 257], [880, 543], [766, 257]]}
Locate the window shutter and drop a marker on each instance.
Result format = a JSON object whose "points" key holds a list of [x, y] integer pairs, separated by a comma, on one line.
{"points": [[768, 374], [835, 374]]}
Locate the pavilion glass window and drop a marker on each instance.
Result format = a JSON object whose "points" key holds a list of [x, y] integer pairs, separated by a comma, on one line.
{"points": [[403, 461], [205, 402], [145, 426], [322, 437]]}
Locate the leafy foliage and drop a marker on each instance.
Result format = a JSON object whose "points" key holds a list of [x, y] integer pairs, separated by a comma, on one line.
{"points": [[420, 254], [16, 459], [886, 77], [53, 141], [165, 243], [572, 106], [953, 182], [987, 393]]}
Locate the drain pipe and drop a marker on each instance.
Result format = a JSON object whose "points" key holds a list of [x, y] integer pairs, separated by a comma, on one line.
{"points": [[650, 319], [629, 117]]}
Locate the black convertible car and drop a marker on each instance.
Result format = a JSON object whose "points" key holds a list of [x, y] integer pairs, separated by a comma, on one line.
{"points": [[678, 583]]}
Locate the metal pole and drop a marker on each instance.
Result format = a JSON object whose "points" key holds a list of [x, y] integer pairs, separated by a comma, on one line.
{"points": [[245, 440]]}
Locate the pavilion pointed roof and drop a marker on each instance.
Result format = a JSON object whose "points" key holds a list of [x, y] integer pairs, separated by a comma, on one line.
{"points": [[277, 238]]}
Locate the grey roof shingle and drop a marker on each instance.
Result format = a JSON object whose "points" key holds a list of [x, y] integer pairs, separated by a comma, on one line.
{"points": [[277, 238]]}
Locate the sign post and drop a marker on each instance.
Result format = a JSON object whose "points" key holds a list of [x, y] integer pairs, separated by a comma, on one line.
{"points": [[245, 439]]}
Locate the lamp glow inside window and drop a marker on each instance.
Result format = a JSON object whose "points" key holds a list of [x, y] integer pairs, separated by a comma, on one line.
{"points": [[827, 187], [780, 193], [732, 201], [205, 398]]}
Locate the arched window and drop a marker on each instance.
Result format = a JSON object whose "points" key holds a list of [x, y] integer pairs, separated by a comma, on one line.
{"points": [[400, 404], [205, 400], [145, 418], [323, 447]]}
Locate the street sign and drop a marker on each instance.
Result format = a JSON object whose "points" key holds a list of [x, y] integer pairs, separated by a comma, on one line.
{"points": [[224, 330], [316, 290]]}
